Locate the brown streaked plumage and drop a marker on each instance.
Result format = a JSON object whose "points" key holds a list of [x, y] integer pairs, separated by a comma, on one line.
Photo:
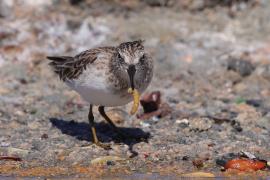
{"points": [[103, 75], [71, 67]]}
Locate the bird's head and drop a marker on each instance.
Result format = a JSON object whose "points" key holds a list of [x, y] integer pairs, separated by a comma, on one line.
{"points": [[131, 58]]}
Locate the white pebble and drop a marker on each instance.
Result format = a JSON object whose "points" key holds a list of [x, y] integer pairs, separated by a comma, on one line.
{"points": [[144, 124], [182, 121]]}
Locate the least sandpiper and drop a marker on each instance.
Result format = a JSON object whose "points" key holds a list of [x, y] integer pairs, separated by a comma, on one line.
{"points": [[102, 76]]}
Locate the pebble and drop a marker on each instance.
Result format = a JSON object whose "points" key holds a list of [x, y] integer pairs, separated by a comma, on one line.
{"points": [[5, 144], [245, 164], [182, 121], [34, 125], [19, 113], [155, 119], [118, 116], [248, 155], [14, 124], [156, 3], [16, 151], [241, 66], [200, 124], [4, 91], [144, 124], [106, 159], [44, 136]]}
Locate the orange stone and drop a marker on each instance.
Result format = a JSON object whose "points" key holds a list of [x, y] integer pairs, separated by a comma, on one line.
{"points": [[245, 164]]}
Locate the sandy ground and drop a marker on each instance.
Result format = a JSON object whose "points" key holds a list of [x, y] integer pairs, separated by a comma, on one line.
{"points": [[212, 67]]}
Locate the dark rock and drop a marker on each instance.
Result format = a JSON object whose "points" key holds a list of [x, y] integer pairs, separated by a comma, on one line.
{"points": [[241, 66], [75, 2], [236, 125], [44, 136], [185, 158], [157, 2], [254, 102], [151, 102], [110, 163], [73, 24], [152, 106]]}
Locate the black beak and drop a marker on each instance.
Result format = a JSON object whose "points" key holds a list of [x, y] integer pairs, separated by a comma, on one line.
{"points": [[131, 72]]}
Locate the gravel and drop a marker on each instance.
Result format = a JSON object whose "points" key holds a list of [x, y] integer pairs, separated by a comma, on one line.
{"points": [[215, 109]]}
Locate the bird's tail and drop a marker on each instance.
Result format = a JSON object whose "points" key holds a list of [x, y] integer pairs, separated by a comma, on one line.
{"points": [[60, 65], [59, 58]]}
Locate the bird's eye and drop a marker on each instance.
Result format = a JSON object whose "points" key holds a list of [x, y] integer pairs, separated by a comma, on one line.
{"points": [[142, 59], [120, 58]]}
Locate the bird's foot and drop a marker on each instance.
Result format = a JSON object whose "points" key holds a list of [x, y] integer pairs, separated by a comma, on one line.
{"points": [[99, 144], [103, 145]]}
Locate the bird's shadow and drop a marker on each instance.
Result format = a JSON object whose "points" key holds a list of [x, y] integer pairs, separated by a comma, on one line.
{"points": [[81, 131]]}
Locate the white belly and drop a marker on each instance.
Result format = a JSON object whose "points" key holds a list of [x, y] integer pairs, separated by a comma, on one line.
{"points": [[101, 97], [98, 93]]}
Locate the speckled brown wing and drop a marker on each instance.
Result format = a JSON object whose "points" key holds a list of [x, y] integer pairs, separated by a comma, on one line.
{"points": [[72, 67]]}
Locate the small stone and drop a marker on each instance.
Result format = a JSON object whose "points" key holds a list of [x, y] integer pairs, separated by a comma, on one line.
{"points": [[44, 136], [105, 159], [34, 125], [182, 121], [144, 124], [185, 158], [200, 124], [245, 164], [19, 113], [4, 91], [155, 119], [118, 116], [236, 126], [241, 66], [248, 155], [156, 2], [254, 102], [5, 144], [14, 125], [110, 163], [16, 151]]}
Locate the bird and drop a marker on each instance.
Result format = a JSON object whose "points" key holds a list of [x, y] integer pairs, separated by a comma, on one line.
{"points": [[103, 75]]}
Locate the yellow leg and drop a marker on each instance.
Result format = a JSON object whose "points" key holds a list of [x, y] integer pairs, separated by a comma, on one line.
{"points": [[93, 130]]}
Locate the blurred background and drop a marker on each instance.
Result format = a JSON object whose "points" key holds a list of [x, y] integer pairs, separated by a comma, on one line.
{"points": [[212, 68]]}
